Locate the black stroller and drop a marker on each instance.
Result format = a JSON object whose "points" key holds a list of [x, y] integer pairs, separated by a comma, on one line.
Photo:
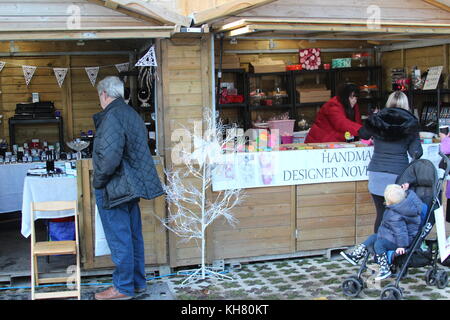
{"points": [[423, 178]]}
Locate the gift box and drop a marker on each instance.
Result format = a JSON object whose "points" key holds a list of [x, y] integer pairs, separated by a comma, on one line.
{"points": [[310, 59], [341, 63]]}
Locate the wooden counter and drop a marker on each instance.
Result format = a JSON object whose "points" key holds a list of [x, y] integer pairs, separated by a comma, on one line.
{"points": [[155, 235]]}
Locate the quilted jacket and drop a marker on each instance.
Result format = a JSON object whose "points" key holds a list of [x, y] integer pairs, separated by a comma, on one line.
{"points": [[331, 123], [395, 133], [401, 221], [123, 165]]}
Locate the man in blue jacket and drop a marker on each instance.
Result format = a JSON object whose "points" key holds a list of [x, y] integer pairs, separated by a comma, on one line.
{"points": [[124, 172], [400, 224]]}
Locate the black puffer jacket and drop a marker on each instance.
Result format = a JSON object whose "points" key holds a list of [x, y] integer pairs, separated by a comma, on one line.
{"points": [[123, 165], [395, 132]]}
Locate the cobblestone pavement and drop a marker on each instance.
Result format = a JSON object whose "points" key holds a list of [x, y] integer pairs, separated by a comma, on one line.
{"points": [[311, 278]]}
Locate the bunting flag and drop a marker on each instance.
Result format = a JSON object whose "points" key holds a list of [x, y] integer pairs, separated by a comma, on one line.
{"points": [[2, 64], [60, 74], [122, 66], [92, 73], [28, 72], [149, 60]]}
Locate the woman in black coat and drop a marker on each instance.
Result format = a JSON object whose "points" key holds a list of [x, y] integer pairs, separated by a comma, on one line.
{"points": [[395, 133]]}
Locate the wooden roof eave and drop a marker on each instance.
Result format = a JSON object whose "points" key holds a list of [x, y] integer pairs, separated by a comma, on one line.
{"points": [[145, 11], [438, 4], [227, 9], [89, 33]]}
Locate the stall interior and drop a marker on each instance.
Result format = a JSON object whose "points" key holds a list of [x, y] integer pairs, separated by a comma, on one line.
{"points": [[43, 113], [296, 80]]}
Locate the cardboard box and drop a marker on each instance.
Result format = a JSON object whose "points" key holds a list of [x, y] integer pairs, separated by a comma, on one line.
{"points": [[229, 61], [265, 65]]}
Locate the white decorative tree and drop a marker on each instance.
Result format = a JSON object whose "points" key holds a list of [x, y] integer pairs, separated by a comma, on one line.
{"points": [[190, 211]]}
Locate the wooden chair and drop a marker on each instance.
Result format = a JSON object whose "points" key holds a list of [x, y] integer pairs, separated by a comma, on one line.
{"points": [[50, 248]]}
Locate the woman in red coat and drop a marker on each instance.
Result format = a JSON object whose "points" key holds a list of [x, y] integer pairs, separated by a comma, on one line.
{"points": [[335, 117]]}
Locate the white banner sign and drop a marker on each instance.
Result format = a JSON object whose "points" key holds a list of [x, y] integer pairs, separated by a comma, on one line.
{"points": [[443, 241], [283, 168]]}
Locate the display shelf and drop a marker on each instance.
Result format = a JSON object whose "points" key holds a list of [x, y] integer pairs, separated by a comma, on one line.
{"points": [[260, 107], [239, 78], [233, 105], [13, 122], [290, 81]]}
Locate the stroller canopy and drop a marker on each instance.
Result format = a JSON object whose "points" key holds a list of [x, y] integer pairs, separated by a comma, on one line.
{"points": [[423, 178]]}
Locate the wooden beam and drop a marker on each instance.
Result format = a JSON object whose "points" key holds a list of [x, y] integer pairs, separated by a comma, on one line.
{"points": [[334, 28], [152, 11], [227, 9], [67, 99], [340, 24], [438, 4], [88, 34]]}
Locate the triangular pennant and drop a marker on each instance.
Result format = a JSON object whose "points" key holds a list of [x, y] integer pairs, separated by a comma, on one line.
{"points": [[149, 60], [122, 66], [92, 73], [2, 64], [28, 72], [60, 74]]}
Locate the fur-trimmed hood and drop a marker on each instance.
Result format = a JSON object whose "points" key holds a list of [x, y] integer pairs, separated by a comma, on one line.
{"points": [[391, 124]]}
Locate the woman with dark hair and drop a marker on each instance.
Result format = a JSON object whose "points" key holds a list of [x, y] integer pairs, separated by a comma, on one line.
{"points": [[395, 134], [337, 116]]}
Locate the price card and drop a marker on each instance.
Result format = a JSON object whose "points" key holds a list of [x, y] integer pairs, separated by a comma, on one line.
{"points": [[432, 80]]}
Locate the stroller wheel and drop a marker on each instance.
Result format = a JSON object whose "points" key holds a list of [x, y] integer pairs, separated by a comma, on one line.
{"points": [[391, 293], [441, 279], [352, 286], [431, 277]]}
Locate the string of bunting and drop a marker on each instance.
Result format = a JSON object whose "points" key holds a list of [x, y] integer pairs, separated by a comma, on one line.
{"points": [[149, 59]]}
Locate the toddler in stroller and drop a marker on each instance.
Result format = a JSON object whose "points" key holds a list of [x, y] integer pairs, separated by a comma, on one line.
{"points": [[400, 224], [422, 178]]}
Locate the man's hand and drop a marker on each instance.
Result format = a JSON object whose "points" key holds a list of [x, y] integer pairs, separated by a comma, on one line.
{"points": [[400, 251]]}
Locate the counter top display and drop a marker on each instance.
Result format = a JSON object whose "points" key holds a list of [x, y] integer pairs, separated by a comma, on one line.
{"points": [[300, 164]]}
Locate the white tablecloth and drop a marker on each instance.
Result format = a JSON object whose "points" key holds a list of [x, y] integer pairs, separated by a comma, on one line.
{"points": [[38, 189], [11, 185]]}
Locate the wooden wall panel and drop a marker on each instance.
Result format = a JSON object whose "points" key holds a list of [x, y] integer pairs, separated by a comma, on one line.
{"points": [[14, 90], [85, 102], [326, 215], [185, 88], [77, 99], [265, 226]]}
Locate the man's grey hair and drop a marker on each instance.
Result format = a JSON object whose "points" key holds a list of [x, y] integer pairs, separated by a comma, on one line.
{"points": [[113, 87]]}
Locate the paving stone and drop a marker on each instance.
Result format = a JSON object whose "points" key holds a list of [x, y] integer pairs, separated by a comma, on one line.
{"points": [[310, 278]]}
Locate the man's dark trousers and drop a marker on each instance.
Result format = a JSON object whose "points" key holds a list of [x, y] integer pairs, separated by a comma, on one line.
{"points": [[123, 232]]}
